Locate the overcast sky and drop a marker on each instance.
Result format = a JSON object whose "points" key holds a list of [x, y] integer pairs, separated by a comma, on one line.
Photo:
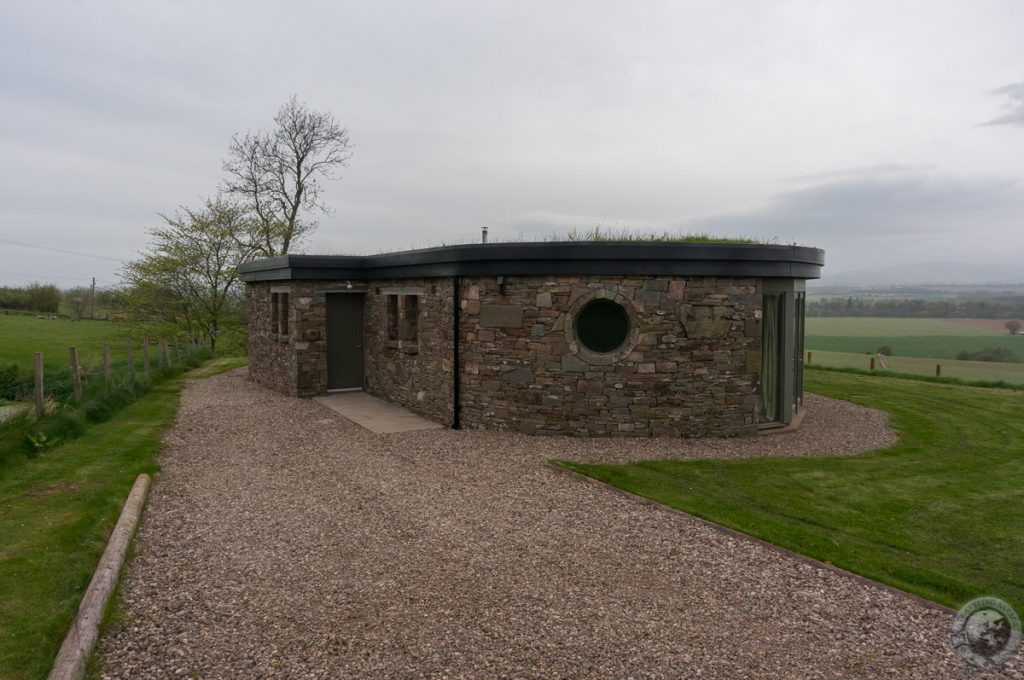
{"points": [[884, 132]]}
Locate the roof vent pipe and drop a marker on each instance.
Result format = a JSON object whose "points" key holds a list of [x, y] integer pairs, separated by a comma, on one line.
{"points": [[484, 234]]}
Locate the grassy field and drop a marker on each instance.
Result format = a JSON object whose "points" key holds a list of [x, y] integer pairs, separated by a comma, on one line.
{"points": [[56, 512], [938, 514], [21, 335], [952, 368], [924, 338], [891, 328]]}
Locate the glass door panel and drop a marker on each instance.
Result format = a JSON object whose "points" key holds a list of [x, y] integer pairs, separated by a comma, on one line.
{"points": [[771, 357], [798, 350]]}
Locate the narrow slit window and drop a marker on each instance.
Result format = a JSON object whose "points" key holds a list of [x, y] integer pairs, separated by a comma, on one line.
{"points": [[392, 303], [275, 313], [282, 327], [410, 318]]}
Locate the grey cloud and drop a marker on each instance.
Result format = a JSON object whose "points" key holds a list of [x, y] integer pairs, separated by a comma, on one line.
{"points": [[879, 218], [1014, 93], [526, 116], [876, 203], [863, 171]]}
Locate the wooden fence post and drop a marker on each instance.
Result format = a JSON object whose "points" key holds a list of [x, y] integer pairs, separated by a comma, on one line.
{"points": [[145, 356], [938, 370], [76, 375], [106, 362], [872, 363], [131, 358], [809, 357], [39, 385]]}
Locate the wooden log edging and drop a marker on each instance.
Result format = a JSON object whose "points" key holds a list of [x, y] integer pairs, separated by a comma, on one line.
{"points": [[74, 653]]}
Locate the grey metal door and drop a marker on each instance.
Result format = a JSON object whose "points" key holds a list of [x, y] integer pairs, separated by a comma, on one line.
{"points": [[344, 341]]}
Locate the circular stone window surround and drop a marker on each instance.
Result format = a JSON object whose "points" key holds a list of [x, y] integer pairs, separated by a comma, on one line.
{"points": [[577, 348]]}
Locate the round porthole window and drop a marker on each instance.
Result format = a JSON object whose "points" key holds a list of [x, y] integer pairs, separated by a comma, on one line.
{"points": [[602, 326]]}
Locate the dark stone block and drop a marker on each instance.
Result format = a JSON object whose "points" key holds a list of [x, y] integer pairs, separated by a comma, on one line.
{"points": [[518, 375], [501, 316]]}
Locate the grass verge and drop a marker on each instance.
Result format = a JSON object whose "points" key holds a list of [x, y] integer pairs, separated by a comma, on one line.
{"points": [[56, 512], [25, 436], [938, 514]]}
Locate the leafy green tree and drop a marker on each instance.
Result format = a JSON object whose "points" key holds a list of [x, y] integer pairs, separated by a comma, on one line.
{"points": [[43, 297], [188, 281], [77, 300], [35, 297]]}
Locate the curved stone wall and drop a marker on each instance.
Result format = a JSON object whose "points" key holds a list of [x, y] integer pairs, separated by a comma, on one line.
{"points": [[689, 367]]}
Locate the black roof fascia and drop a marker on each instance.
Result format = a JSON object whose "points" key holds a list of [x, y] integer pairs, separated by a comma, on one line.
{"points": [[547, 259]]}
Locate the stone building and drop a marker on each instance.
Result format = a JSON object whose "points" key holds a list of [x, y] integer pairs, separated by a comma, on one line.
{"points": [[588, 339]]}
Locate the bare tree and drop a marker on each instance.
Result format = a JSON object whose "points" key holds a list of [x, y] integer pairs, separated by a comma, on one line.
{"points": [[1012, 327], [277, 174]]}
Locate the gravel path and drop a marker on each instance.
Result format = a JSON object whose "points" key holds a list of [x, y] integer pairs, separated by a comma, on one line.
{"points": [[282, 540]]}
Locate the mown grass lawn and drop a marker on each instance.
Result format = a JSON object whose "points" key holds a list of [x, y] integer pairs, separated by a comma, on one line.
{"points": [[940, 514], [56, 512]]}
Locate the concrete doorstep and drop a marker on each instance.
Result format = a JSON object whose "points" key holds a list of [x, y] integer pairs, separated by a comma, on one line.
{"points": [[74, 653], [376, 415]]}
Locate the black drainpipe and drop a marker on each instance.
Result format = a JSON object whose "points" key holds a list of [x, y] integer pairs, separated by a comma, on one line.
{"points": [[456, 369]]}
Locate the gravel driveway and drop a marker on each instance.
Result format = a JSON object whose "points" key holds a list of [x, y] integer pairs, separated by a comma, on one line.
{"points": [[282, 540]]}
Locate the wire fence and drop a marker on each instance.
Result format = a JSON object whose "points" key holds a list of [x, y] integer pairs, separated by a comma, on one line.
{"points": [[50, 382]]}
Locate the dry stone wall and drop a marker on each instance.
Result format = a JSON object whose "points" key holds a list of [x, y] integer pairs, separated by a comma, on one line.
{"points": [[296, 363], [272, 359], [688, 369], [415, 374]]}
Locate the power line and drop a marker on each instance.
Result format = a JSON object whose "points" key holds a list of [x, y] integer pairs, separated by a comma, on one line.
{"points": [[59, 250]]}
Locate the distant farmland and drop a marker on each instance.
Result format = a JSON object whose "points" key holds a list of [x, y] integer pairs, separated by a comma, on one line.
{"points": [[917, 345], [924, 338], [869, 326], [996, 325], [951, 368]]}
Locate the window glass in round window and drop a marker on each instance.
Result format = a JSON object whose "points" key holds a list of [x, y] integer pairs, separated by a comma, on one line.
{"points": [[602, 326]]}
